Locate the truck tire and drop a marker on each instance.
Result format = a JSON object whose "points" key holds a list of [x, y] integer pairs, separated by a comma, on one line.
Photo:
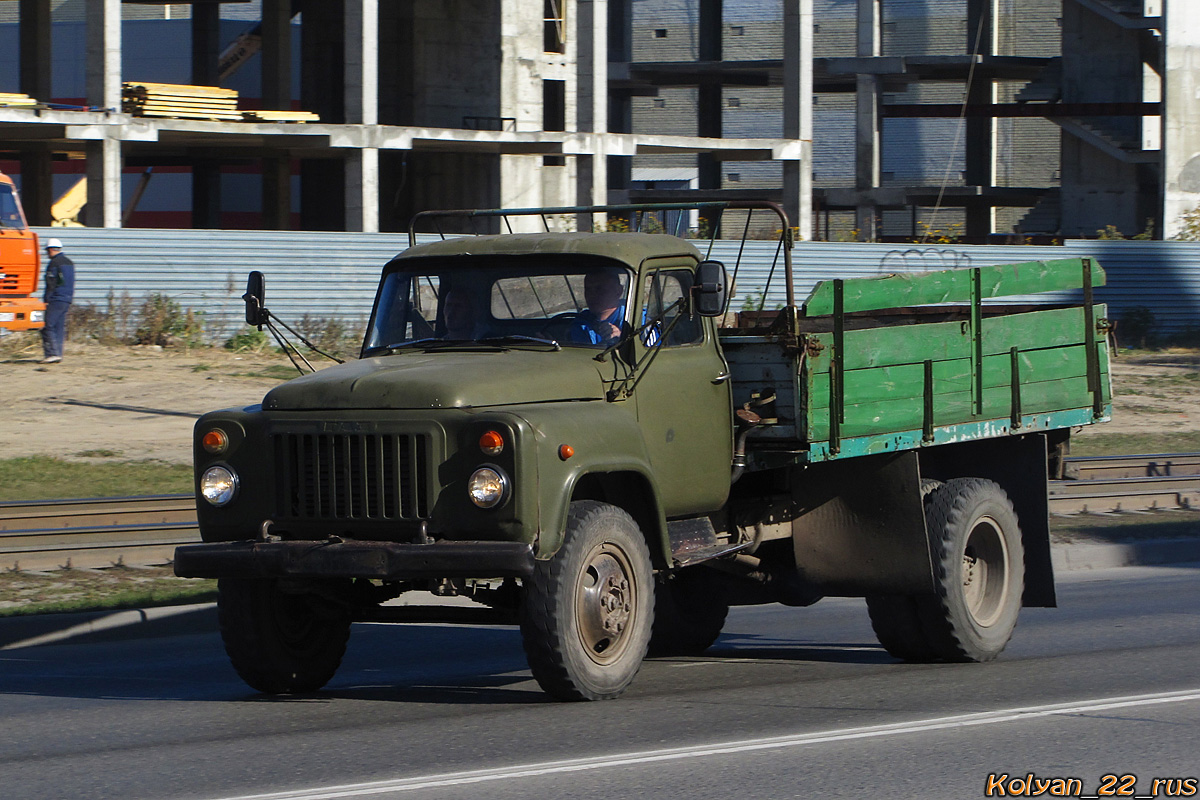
{"points": [[587, 612], [896, 618], [979, 571], [280, 643], [979, 568], [689, 613]]}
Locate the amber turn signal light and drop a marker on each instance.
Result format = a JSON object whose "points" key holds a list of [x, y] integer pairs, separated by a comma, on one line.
{"points": [[565, 451], [215, 441], [491, 443]]}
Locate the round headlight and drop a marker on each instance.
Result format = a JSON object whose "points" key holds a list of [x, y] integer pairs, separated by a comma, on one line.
{"points": [[488, 487], [218, 485]]}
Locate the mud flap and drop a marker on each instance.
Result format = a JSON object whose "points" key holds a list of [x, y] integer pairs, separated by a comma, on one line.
{"points": [[860, 526], [1018, 464]]}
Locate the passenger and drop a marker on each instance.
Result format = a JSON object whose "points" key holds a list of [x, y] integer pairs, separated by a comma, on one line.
{"points": [[603, 321]]}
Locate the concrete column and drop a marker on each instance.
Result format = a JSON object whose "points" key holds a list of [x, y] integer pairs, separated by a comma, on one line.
{"points": [[104, 53], [1181, 117], [277, 54], [277, 94], [362, 62], [206, 173], [798, 112], [104, 91], [206, 194], [206, 44], [620, 51], [868, 92], [37, 184], [103, 209], [591, 171], [35, 61], [980, 139], [362, 190], [710, 96], [277, 193], [362, 108]]}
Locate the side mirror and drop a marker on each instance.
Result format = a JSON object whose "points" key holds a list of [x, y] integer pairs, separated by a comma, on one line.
{"points": [[711, 289], [256, 311]]}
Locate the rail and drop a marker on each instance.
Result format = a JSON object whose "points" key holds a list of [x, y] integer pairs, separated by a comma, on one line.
{"points": [[144, 531]]}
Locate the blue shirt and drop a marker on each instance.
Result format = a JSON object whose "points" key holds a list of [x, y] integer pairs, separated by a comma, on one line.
{"points": [[584, 330], [60, 280]]}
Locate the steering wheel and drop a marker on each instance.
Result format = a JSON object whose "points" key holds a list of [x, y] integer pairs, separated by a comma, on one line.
{"points": [[557, 326]]}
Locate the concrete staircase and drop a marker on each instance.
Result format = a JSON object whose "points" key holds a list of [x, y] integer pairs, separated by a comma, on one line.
{"points": [[1045, 217]]}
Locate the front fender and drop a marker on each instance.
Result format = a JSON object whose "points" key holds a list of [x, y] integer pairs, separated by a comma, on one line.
{"points": [[606, 442]]}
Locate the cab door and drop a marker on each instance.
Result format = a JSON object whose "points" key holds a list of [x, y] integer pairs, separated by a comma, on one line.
{"points": [[682, 395]]}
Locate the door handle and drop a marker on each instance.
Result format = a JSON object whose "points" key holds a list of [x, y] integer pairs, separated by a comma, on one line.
{"points": [[724, 376]]}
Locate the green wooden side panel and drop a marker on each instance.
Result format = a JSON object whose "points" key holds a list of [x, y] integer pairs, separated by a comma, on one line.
{"points": [[879, 384], [949, 408], [943, 341], [983, 429], [950, 285]]}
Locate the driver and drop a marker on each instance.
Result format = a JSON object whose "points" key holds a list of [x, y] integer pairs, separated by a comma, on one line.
{"points": [[458, 311], [603, 321]]}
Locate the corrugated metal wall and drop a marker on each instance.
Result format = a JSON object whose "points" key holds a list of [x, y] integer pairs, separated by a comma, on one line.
{"points": [[335, 274]]}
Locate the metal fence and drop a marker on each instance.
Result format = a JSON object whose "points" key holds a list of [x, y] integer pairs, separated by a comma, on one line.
{"points": [[334, 275]]}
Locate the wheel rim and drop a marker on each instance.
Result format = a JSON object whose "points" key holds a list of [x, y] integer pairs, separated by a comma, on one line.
{"points": [[985, 572], [606, 603]]}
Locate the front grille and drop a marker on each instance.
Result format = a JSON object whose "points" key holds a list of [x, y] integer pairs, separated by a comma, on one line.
{"points": [[352, 476]]}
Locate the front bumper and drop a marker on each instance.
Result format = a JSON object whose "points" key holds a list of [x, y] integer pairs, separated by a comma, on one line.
{"points": [[354, 559]]}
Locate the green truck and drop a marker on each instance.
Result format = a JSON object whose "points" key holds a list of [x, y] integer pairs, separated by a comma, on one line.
{"points": [[573, 431]]}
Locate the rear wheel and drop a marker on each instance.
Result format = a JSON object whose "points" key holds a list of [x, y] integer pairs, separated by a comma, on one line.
{"points": [[689, 613], [979, 576], [280, 642], [588, 610]]}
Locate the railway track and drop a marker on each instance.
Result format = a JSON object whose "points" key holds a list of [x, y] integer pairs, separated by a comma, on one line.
{"points": [[99, 533]]}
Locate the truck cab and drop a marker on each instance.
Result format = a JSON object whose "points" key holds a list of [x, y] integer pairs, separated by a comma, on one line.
{"points": [[19, 265]]}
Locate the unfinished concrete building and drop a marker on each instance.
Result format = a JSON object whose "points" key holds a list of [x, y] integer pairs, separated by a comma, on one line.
{"points": [[976, 120], [891, 118], [421, 104]]}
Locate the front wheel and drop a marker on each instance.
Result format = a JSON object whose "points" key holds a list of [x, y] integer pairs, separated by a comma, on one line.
{"points": [[588, 610], [280, 642]]}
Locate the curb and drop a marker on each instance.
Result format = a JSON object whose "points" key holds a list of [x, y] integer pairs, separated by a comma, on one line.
{"points": [[1134, 553], [109, 626], [100, 626]]}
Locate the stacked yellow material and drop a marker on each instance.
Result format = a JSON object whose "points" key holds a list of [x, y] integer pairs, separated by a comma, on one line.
{"points": [[180, 100], [262, 115], [17, 100]]}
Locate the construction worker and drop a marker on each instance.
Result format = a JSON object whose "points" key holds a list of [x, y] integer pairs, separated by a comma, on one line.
{"points": [[57, 295]]}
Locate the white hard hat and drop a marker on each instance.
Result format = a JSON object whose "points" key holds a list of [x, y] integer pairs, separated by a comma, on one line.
{"points": [[53, 243]]}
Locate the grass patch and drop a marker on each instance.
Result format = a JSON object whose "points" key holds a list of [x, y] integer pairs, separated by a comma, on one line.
{"points": [[113, 589], [1120, 444], [46, 478], [1126, 527]]}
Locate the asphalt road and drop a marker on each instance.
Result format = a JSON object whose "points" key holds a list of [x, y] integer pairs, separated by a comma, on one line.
{"points": [[790, 703]]}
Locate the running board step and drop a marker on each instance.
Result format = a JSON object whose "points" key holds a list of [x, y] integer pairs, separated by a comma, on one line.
{"points": [[695, 540]]}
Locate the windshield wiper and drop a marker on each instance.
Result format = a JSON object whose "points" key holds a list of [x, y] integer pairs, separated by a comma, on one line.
{"points": [[518, 337]]}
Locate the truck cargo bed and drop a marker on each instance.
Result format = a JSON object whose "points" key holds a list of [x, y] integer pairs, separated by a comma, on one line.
{"points": [[858, 375]]}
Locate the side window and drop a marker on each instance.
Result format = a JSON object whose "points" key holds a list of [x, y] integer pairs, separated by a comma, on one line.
{"points": [[669, 290]]}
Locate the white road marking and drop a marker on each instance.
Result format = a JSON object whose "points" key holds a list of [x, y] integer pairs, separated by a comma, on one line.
{"points": [[534, 770]]}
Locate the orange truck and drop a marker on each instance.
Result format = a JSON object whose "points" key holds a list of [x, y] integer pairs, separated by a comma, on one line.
{"points": [[19, 265]]}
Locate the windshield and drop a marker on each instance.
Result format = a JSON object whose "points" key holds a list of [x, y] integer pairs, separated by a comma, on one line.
{"points": [[10, 208], [569, 301]]}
